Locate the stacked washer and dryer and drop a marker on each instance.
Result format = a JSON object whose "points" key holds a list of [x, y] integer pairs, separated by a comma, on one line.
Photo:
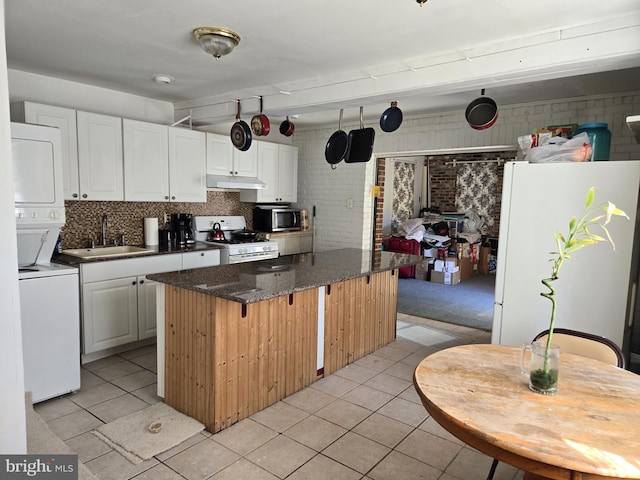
{"points": [[49, 292]]}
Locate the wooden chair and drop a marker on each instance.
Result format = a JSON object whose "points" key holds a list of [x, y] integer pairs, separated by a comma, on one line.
{"points": [[583, 344]]}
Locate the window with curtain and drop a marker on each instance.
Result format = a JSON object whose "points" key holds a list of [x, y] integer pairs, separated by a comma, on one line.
{"points": [[404, 174], [476, 190]]}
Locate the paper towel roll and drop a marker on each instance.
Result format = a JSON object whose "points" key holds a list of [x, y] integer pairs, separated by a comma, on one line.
{"points": [[151, 231]]}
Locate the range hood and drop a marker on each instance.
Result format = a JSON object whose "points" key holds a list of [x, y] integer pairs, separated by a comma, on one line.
{"points": [[634, 125], [240, 183]]}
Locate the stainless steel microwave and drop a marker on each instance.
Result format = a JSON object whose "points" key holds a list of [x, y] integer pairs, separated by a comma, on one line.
{"points": [[270, 219]]}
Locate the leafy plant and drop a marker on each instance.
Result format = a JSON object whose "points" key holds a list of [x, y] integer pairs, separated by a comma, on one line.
{"points": [[580, 235]]}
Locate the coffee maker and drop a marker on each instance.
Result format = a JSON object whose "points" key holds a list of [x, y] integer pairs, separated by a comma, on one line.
{"points": [[182, 229]]}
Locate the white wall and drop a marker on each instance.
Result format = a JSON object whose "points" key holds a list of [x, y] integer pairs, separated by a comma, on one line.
{"points": [[341, 227], [80, 96], [13, 437]]}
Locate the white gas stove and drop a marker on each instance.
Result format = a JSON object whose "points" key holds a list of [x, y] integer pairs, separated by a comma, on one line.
{"points": [[234, 250]]}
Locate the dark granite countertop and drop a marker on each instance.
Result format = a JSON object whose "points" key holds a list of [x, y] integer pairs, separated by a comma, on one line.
{"points": [[156, 250], [257, 281]]}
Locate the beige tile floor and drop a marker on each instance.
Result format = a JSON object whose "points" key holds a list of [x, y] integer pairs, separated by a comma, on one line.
{"points": [[363, 422]]}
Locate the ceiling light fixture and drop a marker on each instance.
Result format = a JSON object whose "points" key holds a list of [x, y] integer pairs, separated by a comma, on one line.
{"points": [[162, 78], [216, 41], [421, 2]]}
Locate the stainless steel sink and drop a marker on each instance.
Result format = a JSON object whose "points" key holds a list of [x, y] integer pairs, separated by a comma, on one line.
{"points": [[107, 252]]}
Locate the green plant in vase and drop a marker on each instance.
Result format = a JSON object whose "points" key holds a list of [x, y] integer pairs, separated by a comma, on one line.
{"points": [[579, 236]]}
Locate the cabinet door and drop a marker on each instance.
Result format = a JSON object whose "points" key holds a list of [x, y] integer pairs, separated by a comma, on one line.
{"points": [[100, 157], [109, 314], [65, 120], [219, 155], [187, 165], [245, 164], [306, 243], [146, 161], [287, 174], [268, 171], [147, 314]]}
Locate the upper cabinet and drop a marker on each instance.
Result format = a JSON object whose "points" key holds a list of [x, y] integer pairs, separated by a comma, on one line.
{"points": [[146, 161], [224, 159], [100, 156], [163, 164], [278, 168], [187, 165], [65, 120]]}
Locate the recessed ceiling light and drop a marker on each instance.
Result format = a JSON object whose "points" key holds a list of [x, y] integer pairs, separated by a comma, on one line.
{"points": [[162, 78]]}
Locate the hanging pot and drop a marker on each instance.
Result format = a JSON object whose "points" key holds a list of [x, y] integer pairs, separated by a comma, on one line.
{"points": [[481, 113], [336, 148], [260, 125], [240, 133], [286, 128], [391, 118], [360, 143]]}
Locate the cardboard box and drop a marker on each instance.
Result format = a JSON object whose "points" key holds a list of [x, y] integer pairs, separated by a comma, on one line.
{"points": [[447, 278], [423, 269], [468, 268], [483, 263]]}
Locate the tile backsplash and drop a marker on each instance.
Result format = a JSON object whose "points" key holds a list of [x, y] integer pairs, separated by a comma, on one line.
{"points": [[84, 218]]}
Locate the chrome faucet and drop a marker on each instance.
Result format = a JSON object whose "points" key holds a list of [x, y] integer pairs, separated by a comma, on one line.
{"points": [[105, 223]]}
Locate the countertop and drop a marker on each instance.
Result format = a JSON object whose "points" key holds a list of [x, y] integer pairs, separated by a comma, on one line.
{"points": [[157, 250], [257, 281]]}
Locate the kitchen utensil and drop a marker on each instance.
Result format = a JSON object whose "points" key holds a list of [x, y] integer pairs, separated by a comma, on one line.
{"points": [[360, 143], [286, 128], [240, 133], [481, 113], [260, 125], [391, 118], [216, 233], [244, 235], [336, 148]]}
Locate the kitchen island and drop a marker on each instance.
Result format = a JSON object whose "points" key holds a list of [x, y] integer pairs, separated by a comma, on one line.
{"points": [[238, 338]]}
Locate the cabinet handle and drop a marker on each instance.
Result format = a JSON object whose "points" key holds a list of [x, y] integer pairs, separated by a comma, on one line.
{"points": [[84, 195], [141, 282], [173, 198], [202, 254], [75, 195], [133, 283], [166, 197]]}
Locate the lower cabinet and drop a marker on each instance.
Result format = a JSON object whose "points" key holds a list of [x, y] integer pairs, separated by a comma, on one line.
{"points": [[119, 302], [116, 312], [293, 243]]}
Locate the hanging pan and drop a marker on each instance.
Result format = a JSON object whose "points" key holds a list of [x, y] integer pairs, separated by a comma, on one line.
{"points": [[260, 125], [336, 148], [286, 128], [481, 113], [240, 133], [391, 118], [360, 143]]}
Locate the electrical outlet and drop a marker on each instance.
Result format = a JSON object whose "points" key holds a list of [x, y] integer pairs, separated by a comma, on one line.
{"points": [[349, 202]]}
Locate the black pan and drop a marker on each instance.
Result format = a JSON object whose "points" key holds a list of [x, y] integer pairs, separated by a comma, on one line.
{"points": [[287, 128], [336, 148], [240, 133], [481, 113], [391, 118], [244, 235], [360, 143]]}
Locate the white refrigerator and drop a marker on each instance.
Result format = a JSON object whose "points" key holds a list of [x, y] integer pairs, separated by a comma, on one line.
{"points": [[597, 287]]}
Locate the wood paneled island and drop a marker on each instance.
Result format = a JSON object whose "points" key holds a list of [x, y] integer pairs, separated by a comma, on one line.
{"points": [[234, 339]]}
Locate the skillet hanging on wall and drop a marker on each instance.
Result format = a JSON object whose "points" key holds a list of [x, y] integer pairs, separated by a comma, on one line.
{"points": [[260, 125], [286, 128], [336, 148], [391, 118], [240, 133]]}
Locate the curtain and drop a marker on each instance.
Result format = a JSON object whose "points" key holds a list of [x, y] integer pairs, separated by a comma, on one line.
{"points": [[476, 190], [404, 174]]}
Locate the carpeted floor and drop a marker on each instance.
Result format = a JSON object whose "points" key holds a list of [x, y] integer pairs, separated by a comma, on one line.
{"points": [[468, 303]]}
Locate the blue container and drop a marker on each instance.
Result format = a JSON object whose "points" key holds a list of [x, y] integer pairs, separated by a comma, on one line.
{"points": [[600, 138]]}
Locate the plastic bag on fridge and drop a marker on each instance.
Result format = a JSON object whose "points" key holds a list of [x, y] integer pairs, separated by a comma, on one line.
{"points": [[560, 149]]}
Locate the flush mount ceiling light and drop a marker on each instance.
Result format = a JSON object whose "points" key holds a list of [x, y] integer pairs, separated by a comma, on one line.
{"points": [[421, 2], [216, 41]]}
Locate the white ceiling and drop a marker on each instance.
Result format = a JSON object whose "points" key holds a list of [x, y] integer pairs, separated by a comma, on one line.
{"points": [[333, 54]]}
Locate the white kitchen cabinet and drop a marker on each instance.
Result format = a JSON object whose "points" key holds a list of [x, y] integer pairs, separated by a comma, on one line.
{"points": [[224, 159], [207, 258], [100, 163], [65, 120], [187, 165], [278, 168], [146, 161], [119, 302]]}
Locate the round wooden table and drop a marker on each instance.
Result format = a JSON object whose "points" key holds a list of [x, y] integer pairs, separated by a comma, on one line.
{"points": [[589, 430]]}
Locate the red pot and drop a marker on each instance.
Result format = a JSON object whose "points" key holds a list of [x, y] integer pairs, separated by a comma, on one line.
{"points": [[481, 113], [287, 128]]}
